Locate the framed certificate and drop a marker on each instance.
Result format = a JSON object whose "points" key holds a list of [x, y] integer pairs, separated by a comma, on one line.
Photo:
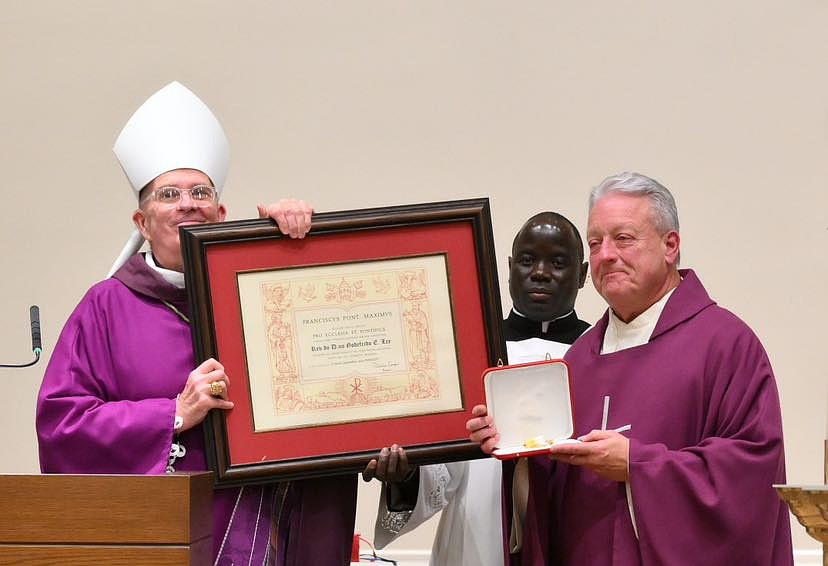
{"points": [[374, 329]]}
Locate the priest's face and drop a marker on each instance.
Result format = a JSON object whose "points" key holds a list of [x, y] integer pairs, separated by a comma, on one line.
{"points": [[159, 221], [545, 269], [632, 264]]}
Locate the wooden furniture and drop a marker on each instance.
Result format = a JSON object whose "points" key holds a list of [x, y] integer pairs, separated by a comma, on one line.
{"points": [[106, 519], [810, 505]]}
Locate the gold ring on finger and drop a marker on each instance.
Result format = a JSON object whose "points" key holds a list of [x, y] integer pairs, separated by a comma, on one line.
{"points": [[216, 388]]}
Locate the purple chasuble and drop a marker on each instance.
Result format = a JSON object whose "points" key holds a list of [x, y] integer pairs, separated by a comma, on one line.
{"points": [[705, 448], [107, 405]]}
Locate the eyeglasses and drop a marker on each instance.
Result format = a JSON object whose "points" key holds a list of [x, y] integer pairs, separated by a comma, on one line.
{"points": [[171, 194]]}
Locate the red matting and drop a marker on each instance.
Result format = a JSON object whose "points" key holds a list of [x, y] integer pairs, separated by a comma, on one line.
{"points": [[225, 259]]}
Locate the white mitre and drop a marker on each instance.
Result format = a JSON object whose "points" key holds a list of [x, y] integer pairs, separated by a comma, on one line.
{"points": [[173, 129]]}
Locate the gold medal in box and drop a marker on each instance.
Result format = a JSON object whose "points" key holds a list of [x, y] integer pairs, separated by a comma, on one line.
{"points": [[531, 405]]}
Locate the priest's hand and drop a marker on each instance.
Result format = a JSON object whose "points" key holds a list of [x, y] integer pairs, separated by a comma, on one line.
{"points": [[206, 389], [391, 466], [293, 216], [482, 430], [605, 452]]}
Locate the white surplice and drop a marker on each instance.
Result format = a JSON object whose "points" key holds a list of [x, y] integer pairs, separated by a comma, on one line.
{"points": [[470, 532]]}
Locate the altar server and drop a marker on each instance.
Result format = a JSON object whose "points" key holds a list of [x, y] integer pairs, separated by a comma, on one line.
{"points": [[546, 271]]}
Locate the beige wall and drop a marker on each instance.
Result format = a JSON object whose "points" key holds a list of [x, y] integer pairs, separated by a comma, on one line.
{"points": [[356, 104]]}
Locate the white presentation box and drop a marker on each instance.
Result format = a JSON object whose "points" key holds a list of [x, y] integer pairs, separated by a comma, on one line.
{"points": [[531, 405]]}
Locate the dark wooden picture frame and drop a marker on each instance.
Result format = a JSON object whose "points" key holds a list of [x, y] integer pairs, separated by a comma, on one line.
{"points": [[215, 255]]}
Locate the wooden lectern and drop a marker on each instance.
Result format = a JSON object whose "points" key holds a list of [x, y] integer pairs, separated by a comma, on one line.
{"points": [[106, 519]]}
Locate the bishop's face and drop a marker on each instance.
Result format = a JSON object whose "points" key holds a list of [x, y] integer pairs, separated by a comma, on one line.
{"points": [[159, 222], [545, 270]]}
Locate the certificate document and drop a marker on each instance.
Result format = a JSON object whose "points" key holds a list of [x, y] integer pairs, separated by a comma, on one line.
{"points": [[349, 342]]}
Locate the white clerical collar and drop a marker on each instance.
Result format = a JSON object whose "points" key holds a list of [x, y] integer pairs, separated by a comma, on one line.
{"points": [[173, 277], [621, 335], [545, 323]]}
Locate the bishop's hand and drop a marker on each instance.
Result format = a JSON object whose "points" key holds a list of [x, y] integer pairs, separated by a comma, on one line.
{"points": [[206, 389]]}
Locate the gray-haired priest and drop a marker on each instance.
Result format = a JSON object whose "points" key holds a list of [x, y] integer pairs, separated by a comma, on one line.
{"points": [[677, 413]]}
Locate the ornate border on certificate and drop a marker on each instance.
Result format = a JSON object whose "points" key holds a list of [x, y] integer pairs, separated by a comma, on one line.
{"points": [[346, 342]]}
